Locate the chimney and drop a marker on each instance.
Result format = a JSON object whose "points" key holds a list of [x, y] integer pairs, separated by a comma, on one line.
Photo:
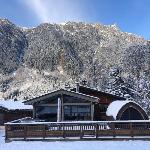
{"points": [[84, 83], [77, 87]]}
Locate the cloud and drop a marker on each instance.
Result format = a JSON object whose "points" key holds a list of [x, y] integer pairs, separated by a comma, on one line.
{"points": [[56, 10], [39, 9]]}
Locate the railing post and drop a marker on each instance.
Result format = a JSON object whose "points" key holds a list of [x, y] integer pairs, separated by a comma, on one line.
{"points": [[25, 132], [131, 129], [44, 131], [113, 128], [96, 130], [6, 135], [63, 127], [81, 131]]}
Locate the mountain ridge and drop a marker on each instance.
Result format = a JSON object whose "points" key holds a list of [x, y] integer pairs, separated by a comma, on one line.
{"points": [[44, 58]]}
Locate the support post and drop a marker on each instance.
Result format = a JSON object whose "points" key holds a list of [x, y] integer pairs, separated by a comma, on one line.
{"points": [[62, 108], [92, 111], [34, 111], [59, 110]]}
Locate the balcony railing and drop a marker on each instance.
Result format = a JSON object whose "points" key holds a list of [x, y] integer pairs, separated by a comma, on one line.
{"points": [[80, 129]]}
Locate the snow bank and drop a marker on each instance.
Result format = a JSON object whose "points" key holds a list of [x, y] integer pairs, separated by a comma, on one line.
{"points": [[12, 105]]}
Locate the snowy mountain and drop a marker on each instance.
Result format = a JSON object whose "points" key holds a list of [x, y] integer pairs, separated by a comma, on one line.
{"points": [[37, 60]]}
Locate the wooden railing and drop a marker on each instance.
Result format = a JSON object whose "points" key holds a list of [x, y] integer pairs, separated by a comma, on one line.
{"points": [[93, 129]]}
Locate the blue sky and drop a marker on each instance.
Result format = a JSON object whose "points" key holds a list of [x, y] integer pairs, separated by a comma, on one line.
{"points": [[130, 15]]}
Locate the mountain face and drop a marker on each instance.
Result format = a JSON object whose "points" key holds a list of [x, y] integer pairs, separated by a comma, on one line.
{"points": [[12, 45], [37, 60]]}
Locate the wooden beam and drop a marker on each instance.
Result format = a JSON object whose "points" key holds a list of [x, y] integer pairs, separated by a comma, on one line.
{"points": [[34, 111], [65, 104], [59, 110], [62, 107], [59, 92], [92, 111]]}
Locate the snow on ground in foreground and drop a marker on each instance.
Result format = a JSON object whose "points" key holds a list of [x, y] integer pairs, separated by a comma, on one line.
{"points": [[77, 145]]}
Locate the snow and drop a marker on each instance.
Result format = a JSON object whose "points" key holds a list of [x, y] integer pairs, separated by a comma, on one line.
{"points": [[29, 121], [73, 145], [114, 108], [63, 23], [25, 86], [12, 105]]}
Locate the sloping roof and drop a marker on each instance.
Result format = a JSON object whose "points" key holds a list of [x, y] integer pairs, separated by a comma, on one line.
{"points": [[83, 88], [14, 105], [60, 92], [115, 107]]}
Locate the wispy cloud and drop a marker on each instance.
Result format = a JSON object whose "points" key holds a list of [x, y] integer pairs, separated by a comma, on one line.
{"points": [[39, 8], [56, 10]]}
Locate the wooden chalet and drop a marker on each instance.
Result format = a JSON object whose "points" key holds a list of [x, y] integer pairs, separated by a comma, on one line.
{"points": [[83, 113], [83, 104]]}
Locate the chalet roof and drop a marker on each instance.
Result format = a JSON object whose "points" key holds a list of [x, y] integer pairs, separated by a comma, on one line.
{"points": [[14, 105], [115, 107], [62, 92], [97, 92]]}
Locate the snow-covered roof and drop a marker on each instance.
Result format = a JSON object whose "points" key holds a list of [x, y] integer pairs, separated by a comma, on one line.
{"points": [[59, 92], [13, 105], [115, 107]]}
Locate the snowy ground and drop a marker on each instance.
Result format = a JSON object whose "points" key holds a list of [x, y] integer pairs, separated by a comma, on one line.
{"points": [[77, 145]]}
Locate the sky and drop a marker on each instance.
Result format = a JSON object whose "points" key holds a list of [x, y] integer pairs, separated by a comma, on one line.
{"points": [[130, 15]]}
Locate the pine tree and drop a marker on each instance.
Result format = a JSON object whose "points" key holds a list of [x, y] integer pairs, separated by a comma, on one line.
{"points": [[118, 86]]}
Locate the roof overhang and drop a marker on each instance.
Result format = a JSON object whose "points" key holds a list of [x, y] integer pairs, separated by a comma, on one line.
{"points": [[59, 93], [98, 92]]}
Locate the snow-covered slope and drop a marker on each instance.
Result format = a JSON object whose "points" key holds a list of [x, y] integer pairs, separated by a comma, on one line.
{"points": [[37, 60]]}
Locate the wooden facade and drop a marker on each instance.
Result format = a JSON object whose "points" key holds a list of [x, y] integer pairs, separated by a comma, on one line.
{"points": [[104, 99], [10, 115], [63, 105]]}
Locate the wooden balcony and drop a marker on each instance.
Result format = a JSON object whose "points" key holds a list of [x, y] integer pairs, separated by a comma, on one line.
{"points": [[102, 130]]}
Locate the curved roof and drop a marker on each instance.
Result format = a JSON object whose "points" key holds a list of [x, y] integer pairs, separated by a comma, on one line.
{"points": [[115, 107]]}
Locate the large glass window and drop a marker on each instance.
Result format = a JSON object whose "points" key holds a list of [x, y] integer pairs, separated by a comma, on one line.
{"points": [[77, 112], [131, 114], [47, 113]]}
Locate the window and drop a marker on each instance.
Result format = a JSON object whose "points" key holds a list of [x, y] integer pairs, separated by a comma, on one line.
{"points": [[131, 114], [47, 113], [77, 112]]}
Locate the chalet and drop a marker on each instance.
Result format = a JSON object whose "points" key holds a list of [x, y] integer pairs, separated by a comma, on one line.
{"points": [[11, 110], [83, 113], [84, 104]]}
